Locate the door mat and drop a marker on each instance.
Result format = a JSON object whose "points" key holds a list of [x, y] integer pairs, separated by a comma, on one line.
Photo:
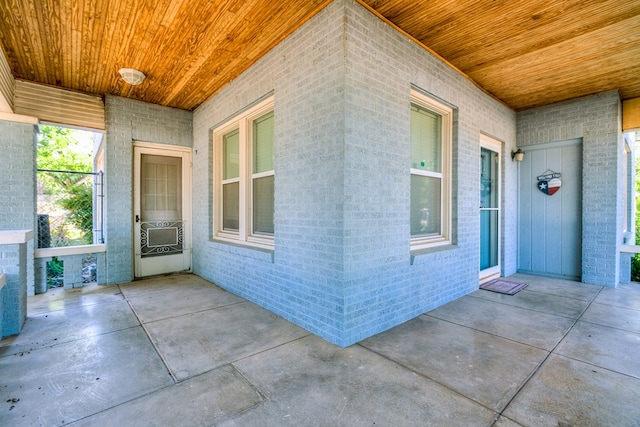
{"points": [[503, 286]]}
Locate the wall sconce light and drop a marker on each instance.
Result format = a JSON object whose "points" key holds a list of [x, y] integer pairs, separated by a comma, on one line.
{"points": [[517, 155], [132, 76]]}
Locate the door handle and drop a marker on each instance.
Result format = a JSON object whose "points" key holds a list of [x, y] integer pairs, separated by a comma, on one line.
{"points": [[137, 218]]}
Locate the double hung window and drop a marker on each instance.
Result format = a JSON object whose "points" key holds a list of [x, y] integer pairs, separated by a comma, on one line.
{"points": [[431, 135], [244, 177]]}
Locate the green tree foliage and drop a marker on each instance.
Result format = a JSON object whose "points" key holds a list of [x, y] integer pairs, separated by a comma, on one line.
{"points": [[60, 149], [80, 207], [55, 273], [635, 261], [635, 268]]}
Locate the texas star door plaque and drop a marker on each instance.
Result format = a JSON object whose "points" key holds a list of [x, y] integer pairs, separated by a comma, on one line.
{"points": [[549, 182]]}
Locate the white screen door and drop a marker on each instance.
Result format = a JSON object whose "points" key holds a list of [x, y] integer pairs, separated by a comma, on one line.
{"points": [[162, 209], [489, 209]]}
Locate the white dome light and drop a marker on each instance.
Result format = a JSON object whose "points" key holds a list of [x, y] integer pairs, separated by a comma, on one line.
{"points": [[131, 76]]}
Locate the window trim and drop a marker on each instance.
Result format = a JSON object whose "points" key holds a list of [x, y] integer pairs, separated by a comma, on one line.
{"points": [[446, 112], [244, 123]]}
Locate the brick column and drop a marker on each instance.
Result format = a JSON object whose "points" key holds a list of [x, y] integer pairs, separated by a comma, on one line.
{"points": [[13, 263]]}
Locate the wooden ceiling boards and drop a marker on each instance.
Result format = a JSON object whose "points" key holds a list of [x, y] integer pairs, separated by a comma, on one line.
{"points": [[527, 53]]}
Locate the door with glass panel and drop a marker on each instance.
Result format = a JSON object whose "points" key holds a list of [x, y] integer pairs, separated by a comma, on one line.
{"points": [[489, 209], [162, 239]]}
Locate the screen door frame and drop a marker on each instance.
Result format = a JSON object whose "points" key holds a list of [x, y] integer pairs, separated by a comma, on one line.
{"points": [[149, 259]]}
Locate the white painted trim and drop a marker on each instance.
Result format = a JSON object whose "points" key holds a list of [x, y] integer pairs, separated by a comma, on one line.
{"points": [[19, 118], [630, 249], [7, 85], [70, 250], [13, 237], [5, 106], [59, 105], [185, 153], [446, 176], [555, 144], [161, 147], [242, 122]]}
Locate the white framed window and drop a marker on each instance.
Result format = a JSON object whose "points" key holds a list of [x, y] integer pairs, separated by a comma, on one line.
{"points": [[244, 177], [431, 145]]}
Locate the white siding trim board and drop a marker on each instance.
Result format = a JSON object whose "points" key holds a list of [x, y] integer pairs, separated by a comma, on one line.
{"points": [[7, 85], [59, 106]]}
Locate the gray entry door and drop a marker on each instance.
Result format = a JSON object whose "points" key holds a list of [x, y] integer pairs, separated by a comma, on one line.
{"points": [[550, 211]]}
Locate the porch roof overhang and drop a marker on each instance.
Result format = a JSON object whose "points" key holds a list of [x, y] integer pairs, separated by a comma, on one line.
{"points": [[526, 53]]}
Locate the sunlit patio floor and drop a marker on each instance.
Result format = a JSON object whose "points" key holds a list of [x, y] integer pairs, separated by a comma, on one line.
{"points": [[178, 350]]}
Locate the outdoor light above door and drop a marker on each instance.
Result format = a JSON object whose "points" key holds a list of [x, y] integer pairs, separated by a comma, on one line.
{"points": [[517, 155]]}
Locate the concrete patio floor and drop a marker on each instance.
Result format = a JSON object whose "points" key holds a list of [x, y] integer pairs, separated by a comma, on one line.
{"points": [[178, 350]]}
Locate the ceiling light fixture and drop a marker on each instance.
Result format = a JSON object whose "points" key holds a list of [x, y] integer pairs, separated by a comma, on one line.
{"points": [[131, 76]]}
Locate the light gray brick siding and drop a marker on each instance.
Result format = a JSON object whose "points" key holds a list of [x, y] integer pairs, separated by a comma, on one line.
{"points": [[18, 199], [342, 266], [595, 119], [73, 269], [128, 121], [14, 294], [17, 175]]}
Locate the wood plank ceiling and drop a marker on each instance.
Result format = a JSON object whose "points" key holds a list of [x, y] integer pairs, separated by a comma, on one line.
{"points": [[527, 53]]}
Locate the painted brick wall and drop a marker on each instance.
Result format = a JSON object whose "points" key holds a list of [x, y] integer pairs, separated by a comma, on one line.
{"points": [[297, 281], [17, 198], [383, 287], [13, 263], [595, 119], [127, 121], [72, 271], [17, 175], [342, 265]]}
